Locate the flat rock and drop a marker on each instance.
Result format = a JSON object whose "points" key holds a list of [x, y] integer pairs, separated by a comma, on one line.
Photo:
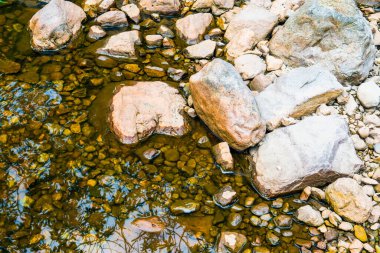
{"points": [[349, 200], [192, 27], [249, 66], [121, 45], [147, 108], [226, 105], [112, 19], [309, 215], [55, 25], [202, 50], [313, 152], [149, 224], [297, 93], [333, 33], [160, 6], [8, 67], [252, 18]]}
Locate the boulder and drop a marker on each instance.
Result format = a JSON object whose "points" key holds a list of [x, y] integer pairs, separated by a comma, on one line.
{"points": [[121, 45], [160, 6], [112, 19], [332, 33], [313, 152], [251, 18], [249, 66], [192, 27], [202, 50], [369, 94], [226, 105], [55, 25], [348, 199], [297, 93], [145, 108]]}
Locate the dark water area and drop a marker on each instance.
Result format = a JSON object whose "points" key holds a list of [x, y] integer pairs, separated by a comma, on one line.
{"points": [[67, 185]]}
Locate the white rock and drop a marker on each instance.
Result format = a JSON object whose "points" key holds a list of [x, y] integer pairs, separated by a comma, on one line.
{"points": [[359, 144], [351, 106], [309, 215], [296, 94], [249, 66], [121, 45], [202, 50], [346, 226], [112, 19], [96, 32], [192, 27], [348, 199], [154, 40], [273, 63], [363, 132], [160, 6], [369, 94], [244, 43], [132, 11]]}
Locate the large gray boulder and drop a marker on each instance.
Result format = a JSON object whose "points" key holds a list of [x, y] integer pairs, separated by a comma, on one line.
{"points": [[333, 33], [55, 25], [348, 199], [296, 94], [313, 152], [226, 105], [145, 108]]}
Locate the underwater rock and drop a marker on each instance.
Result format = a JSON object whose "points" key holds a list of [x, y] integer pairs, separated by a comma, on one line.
{"points": [[231, 242], [185, 206], [226, 196], [149, 224]]}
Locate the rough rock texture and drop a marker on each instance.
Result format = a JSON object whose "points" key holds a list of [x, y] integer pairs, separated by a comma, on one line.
{"points": [[202, 50], [146, 108], [309, 215], [296, 94], [223, 157], [252, 18], [333, 33], [313, 152], [349, 200], [226, 105], [160, 6], [121, 45], [192, 27], [55, 25], [112, 19]]}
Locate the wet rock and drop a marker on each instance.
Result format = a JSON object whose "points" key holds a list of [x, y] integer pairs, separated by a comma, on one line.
{"points": [[165, 32], [258, 21], [374, 3], [149, 224], [369, 94], [202, 50], [96, 32], [260, 209], [226, 105], [272, 238], [8, 67], [112, 19], [234, 220], [160, 6], [147, 155], [313, 152], [223, 157], [225, 197], [348, 199], [283, 221], [249, 66], [231, 242], [146, 108], [204, 142], [132, 11], [296, 94], [192, 27], [309, 215], [176, 74], [154, 71], [154, 40], [172, 155], [185, 206], [105, 62], [334, 34], [55, 25], [121, 45]]}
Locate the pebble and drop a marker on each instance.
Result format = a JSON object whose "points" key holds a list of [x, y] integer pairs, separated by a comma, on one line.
{"points": [[260, 209], [225, 197], [360, 233]]}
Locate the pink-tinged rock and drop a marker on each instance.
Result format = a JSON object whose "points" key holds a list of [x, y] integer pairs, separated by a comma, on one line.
{"points": [[226, 105], [160, 6], [149, 224], [121, 45], [55, 25], [146, 108], [192, 27]]}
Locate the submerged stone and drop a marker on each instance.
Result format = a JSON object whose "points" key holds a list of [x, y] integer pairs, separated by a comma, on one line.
{"points": [[185, 206], [225, 197], [231, 242], [149, 224]]}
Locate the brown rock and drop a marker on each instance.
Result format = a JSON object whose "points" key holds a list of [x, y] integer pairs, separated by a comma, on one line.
{"points": [[9, 67], [160, 6], [146, 108], [226, 105]]}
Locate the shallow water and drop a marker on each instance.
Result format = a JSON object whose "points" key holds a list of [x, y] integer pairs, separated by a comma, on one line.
{"points": [[67, 185]]}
